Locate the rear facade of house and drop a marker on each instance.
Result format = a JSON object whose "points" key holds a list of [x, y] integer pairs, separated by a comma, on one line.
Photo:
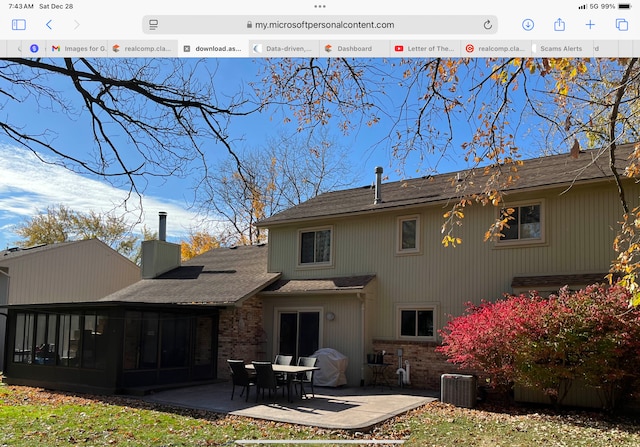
{"points": [[360, 271], [562, 233]]}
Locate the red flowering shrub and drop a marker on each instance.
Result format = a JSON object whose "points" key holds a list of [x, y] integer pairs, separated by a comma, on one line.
{"points": [[591, 335], [484, 338]]}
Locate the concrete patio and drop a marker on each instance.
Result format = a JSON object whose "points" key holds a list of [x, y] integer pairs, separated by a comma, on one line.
{"points": [[332, 408]]}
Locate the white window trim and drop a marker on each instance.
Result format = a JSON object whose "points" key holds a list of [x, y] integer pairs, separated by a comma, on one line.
{"points": [[417, 306], [531, 241], [300, 264], [408, 251]]}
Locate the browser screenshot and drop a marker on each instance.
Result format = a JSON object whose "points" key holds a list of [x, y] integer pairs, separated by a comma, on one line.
{"points": [[278, 195]]}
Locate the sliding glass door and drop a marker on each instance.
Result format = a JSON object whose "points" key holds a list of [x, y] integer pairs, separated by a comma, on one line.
{"points": [[298, 332]]}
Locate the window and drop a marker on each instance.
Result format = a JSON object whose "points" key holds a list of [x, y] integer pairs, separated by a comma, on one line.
{"points": [[141, 332], [155, 341], [416, 322], [408, 234], [315, 246], [132, 327], [73, 340], [69, 340], [525, 223], [46, 339], [23, 344], [94, 341], [174, 342]]}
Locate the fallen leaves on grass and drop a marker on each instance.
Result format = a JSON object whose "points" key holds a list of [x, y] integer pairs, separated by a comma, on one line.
{"points": [[435, 424]]}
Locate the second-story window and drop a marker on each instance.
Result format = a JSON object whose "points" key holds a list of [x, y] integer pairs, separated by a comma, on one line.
{"points": [[315, 246], [525, 223], [408, 234]]}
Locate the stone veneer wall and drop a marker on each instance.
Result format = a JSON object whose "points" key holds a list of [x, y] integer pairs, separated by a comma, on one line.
{"points": [[425, 365], [241, 335]]}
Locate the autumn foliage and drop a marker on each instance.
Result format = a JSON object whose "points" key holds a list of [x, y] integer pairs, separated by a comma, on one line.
{"points": [[199, 242], [550, 343]]}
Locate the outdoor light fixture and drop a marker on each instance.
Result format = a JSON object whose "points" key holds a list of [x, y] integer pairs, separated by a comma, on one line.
{"points": [[331, 316]]}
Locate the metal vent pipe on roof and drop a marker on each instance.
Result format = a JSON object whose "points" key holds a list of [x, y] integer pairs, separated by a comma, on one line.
{"points": [[378, 197], [162, 229]]}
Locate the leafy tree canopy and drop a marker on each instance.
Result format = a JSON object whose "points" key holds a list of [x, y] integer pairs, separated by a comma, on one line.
{"points": [[62, 224]]}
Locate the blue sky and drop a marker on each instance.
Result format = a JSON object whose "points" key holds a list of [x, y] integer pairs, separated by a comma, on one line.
{"points": [[28, 185]]}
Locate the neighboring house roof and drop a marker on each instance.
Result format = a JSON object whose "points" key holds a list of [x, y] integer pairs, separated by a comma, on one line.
{"points": [[221, 276], [550, 171], [348, 284], [75, 271], [18, 252]]}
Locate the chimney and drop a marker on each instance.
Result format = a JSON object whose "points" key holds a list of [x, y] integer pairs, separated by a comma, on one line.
{"points": [[162, 229], [159, 256], [378, 197]]}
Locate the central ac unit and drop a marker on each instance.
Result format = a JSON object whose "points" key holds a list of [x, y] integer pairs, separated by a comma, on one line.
{"points": [[459, 390]]}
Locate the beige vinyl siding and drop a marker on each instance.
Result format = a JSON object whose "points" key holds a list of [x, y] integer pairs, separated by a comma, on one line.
{"points": [[81, 271], [579, 229]]}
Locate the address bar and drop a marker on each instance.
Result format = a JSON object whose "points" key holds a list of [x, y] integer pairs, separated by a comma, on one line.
{"points": [[312, 25]]}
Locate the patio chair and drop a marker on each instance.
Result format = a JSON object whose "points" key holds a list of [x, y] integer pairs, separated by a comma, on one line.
{"points": [[266, 379], [305, 377], [283, 359], [241, 377]]}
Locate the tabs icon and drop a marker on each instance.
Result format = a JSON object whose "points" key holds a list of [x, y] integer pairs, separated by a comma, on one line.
{"points": [[622, 25]]}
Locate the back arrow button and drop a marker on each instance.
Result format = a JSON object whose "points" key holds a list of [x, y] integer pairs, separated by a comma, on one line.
{"points": [[49, 24]]}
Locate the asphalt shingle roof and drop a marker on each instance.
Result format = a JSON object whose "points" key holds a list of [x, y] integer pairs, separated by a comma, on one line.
{"points": [[222, 276], [340, 284], [557, 170]]}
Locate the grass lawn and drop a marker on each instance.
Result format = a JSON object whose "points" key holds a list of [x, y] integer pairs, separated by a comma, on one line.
{"points": [[34, 417]]}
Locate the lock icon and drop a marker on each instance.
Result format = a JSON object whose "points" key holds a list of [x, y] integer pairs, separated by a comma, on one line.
{"points": [[249, 24]]}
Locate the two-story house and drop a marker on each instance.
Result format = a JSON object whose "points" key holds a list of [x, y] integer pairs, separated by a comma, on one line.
{"points": [[365, 270], [360, 270]]}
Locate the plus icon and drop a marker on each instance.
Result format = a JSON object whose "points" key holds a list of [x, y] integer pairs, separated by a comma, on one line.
{"points": [[590, 24]]}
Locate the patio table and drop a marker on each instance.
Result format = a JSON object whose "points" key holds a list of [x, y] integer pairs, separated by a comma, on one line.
{"points": [[289, 370]]}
